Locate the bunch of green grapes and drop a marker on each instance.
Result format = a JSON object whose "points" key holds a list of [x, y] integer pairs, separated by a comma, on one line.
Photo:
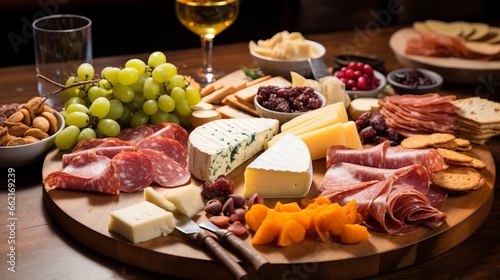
{"points": [[137, 94]]}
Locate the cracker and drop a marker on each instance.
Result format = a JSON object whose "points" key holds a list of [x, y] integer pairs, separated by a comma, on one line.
{"points": [[464, 149], [416, 142], [440, 138], [461, 142], [474, 163], [454, 156], [452, 145], [458, 179]]}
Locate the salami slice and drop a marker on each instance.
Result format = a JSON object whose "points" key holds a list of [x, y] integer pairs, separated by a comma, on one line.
{"points": [[135, 134], [172, 131], [109, 152], [135, 171], [167, 172], [100, 142], [91, 173], [168, 146]]}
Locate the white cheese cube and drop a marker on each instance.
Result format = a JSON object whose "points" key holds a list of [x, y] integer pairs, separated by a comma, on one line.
{"points": [[158, 199], [284, 170], [141, 222], [187, 199]]}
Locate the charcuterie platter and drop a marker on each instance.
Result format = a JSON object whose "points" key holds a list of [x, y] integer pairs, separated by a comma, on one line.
{"points": [[85, 215], [453, 69]]}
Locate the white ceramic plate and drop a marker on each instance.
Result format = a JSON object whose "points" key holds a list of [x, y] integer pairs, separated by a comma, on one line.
{"points": [[453, 70]]}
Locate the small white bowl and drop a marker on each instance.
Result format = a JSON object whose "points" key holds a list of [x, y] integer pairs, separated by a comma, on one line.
{"points": [[283, 67], [29, 153], [282, 117], [353, 94]]}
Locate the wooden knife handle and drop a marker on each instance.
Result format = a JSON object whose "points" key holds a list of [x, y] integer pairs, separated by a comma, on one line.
{"points": [[222, 255], [258, 261]]}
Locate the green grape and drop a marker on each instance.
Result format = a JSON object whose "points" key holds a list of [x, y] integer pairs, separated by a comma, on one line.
{"points": [[156, 58], [116, 109], [163, 72], [123, 93], [176, 81], [139, 84], [166, 103], [74, 100], [85, 72], [159, 117], [183, 108], [78, 119], [77, 107], [108, 127], [178, 94], [193, 96], [86, 133], [100, 107], [139, 118], [128, 76], [70, 91], [67, 138], [184, 120], [139, 100], [96, 92], [111, 74], [150, 107], [136, 63], [151, 89], [127, 115], [106, 85], [173, 118], [63, 114]]}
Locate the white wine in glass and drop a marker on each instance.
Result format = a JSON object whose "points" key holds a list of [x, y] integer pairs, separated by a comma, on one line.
{"points": [[207, 18]]}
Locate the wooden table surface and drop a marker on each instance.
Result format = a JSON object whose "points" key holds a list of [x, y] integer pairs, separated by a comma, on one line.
{"points": [[44, 251]]}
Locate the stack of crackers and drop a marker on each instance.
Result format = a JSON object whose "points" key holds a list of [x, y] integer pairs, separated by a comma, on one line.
{"points": [[478, 119], [463, 173]]}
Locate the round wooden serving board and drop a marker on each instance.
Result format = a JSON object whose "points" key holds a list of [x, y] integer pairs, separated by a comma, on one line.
{"points": [[85, 217]]}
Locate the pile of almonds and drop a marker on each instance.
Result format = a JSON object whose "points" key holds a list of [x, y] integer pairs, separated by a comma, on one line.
{"points": [[32, 122]]}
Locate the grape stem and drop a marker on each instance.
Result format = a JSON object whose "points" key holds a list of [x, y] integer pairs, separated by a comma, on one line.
{"points": [[61, 86]]}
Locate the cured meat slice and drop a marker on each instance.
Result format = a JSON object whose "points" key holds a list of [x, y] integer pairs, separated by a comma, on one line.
{"points": [[385, 156], [172, 131], [135, 134], [100, 142], [167, 172], [109, 152], [86, 173], [135, 171], [168, 146], [394, 201]]}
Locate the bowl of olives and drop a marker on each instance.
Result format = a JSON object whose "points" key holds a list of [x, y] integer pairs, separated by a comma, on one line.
{"points": [[414, 81]]}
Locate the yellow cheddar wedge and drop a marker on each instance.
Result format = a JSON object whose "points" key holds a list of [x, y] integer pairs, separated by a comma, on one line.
{"points": [[351, 135], [338, 108], [318, 141]]}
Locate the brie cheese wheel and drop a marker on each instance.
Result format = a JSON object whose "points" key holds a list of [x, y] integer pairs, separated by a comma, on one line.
{"points": [[283, 170], [141, 222], [218, 147]]}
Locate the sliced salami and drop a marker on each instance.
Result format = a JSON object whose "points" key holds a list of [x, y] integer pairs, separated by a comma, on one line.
{"points": [[135, 134], [172, 131], [168, 146], [135, 171], [109, 152], [91, 173], [100, 142], [167, 172]]}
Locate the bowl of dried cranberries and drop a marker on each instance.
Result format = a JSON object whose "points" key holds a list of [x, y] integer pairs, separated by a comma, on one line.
{"points": [[414, 81], [286, 103], [361, 80]]}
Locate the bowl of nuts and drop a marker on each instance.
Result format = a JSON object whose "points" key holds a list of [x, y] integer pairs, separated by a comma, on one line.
{"points": [[414, 81], [28, 133], [286, 103]]}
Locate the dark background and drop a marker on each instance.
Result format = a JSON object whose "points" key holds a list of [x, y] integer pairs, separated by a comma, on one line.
{"points": [[136, 26]]}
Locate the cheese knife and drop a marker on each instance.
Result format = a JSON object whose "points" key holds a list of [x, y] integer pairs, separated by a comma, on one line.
{"points": [[259, 262], [187, 226], [319, 68]]}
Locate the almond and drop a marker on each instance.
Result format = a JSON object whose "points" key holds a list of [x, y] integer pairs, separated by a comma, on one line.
{"points": [[16, 117], [30, 110], [18, 130], [41, 123], [30, 139], [35, 132], [35, 102], [27, 116], [17, 141], [51, 118]]}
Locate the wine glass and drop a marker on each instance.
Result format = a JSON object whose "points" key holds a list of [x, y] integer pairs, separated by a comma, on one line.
{"points": [[207, 18]]}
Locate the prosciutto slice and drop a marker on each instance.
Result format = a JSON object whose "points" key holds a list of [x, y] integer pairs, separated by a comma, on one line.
{"points": [[91, 173], [395, 201], [385, 156]]}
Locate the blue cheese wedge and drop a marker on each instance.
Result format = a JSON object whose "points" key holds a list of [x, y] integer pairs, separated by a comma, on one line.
{"points": [[141, 222], [284, 170], [218, 147]]}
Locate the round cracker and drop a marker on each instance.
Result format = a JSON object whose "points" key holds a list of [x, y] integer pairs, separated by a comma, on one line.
{"points": [[416, 142], [441, 138], [458, 179], [443, 28], [483, 47], [466, 28], [480, 30], [454, 156]]}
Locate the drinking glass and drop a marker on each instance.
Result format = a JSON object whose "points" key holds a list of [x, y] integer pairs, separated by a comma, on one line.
{"points": [[207, 18]]}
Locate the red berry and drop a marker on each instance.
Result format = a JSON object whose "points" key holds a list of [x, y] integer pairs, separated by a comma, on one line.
{"points": [[367, 68], [349, 73], [362, 83], [352, 65]]}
